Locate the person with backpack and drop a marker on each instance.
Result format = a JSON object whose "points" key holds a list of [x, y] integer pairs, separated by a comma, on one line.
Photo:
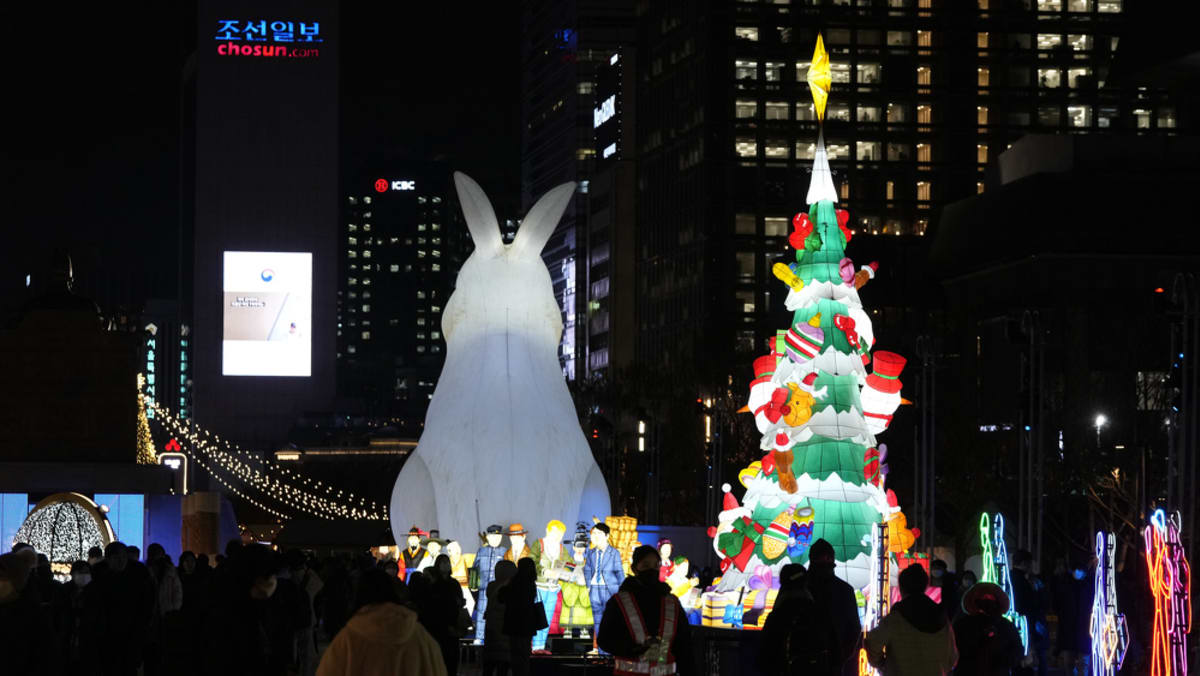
{"points": [[915, 638], [795, 639], [988, 644]]}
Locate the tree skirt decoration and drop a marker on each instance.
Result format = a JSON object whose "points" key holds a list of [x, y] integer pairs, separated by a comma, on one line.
{"points": [[818, 407]]}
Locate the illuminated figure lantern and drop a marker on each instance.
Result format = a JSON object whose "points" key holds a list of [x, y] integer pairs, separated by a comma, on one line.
{"points": [[881, 395], [501, 435], [551, 559], [433, 548], [411, 556], [1110, 635], [576, 616], [603, 572], [483, 573], [817, 407], [1170, 584]]}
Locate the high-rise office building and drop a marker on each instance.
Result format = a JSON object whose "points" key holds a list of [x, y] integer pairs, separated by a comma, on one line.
{"points": [[925, 94], [259, 214], [401, 245], [563, 44]]}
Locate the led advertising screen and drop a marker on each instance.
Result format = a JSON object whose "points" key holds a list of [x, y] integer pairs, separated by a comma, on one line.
{"points": [[267, 314]]}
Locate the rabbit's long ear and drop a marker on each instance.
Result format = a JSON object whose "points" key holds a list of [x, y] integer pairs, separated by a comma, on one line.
{"points": [[481, 219], [541, 220]]}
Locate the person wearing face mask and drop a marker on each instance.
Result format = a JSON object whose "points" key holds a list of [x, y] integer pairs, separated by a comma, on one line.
{"points": [[72, 615], [26, 633], [644, 627], [252, 627]]}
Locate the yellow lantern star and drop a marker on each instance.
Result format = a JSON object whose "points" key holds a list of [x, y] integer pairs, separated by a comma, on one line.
{"points": [[820, 76]]}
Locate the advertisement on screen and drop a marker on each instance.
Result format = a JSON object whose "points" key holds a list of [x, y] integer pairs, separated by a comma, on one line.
{"points": [[267, 314]]}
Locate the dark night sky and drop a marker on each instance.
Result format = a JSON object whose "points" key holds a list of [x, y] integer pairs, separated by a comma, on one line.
{"points": [[90, 156]]}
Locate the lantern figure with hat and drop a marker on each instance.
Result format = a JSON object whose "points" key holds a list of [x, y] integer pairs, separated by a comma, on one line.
{"points": [[483, 572]]}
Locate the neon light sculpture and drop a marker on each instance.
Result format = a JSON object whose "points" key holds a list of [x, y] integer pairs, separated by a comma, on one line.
{"points": [[1170, 584], [1110, 635], [996, 569], [819, 397]]}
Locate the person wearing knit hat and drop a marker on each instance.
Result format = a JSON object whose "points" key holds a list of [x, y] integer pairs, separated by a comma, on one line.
{"points": [[645, 627]]}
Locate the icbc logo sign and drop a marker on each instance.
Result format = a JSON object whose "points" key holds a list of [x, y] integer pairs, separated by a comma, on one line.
{"points": [[382, 185]]}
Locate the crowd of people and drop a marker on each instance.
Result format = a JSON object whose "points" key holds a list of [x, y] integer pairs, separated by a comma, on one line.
{"points": [[254, 610]]}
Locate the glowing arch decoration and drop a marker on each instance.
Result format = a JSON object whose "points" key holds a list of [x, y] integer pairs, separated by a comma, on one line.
{"points": [[64, 526], [1170, 584], [1110, 635], [996, 566]]}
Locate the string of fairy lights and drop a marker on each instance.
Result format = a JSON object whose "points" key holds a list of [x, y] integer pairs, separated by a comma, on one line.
{"points": [[277, 483]]}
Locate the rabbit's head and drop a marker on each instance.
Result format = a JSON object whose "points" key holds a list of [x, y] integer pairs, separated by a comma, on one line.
{"points": [[506, 287]]}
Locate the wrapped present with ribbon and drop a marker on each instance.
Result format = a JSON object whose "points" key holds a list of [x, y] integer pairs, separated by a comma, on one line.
{"points": [[804, 340], [764, 588], [738, 544], [800, 535], [722, 609]]}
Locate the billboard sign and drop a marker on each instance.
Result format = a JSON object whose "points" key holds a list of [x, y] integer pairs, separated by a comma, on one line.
{"points": [[267, 314]]}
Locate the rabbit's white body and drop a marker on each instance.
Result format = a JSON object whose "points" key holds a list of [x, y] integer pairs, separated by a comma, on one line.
{"points": [[502, 442]]}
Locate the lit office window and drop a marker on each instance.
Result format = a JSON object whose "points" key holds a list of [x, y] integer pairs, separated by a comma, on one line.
{"points": [[775, 148], [1142, 117], [891, 190], [745, 70], [898, 152], [923, 191], [984, 76], [1073, 75], [366, 308], [352, 254], [1109, 6], [746, 33], [1166, 118], [978, 187], [746, 146], [421, 336], [924, 75], [844, 190], [774, 71], [420, 295], [838, 151], [840, 72], [921, 226], [437, 253], [805, 112], [436, 267], [350, 227], [1080, 43], [897, 112], [774, 226], [981, 153], [745, 109], [1049, 116], [981, 40], [869, 113], [745, 301], [1048, 40], [421, 349], [777, 110], [1079, 5], [436, 335], [1049, 5], [366, 281], [420, 253], [838, 111], [435, 308], [899, 38], [805, 151], [924, 152], [867, 151], [366, 227], [981, 115], [353, 281], [868, 73], [420, 321], [367, 199], [366, 335], [743, 224], [394, 268], [1079, 116], [1049, 78], [746, 265], [924, 114], [924, 38]]}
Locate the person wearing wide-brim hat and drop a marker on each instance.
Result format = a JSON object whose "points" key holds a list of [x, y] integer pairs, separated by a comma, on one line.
{"points": [[517, 549], [987, 642]]}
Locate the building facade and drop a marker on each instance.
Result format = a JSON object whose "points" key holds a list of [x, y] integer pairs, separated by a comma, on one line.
{"points": [[925, 94], [401, 245], [563, 45]]}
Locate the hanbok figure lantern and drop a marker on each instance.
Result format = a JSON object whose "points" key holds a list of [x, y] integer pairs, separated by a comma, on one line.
{"points": [[484, 573], [551, 559], [459, 565], [411, 556], [576, 616], [881, 395], [433, 547], [667, 562]]}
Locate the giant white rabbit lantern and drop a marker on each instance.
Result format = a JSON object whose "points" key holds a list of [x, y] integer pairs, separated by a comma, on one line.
{"points": [[502, 442]]}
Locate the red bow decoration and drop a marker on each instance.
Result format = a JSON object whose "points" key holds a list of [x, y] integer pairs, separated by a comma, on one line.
{"points": [[777, 407], [768, 464], [843, 217], [846, 324], [803, 228]]}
